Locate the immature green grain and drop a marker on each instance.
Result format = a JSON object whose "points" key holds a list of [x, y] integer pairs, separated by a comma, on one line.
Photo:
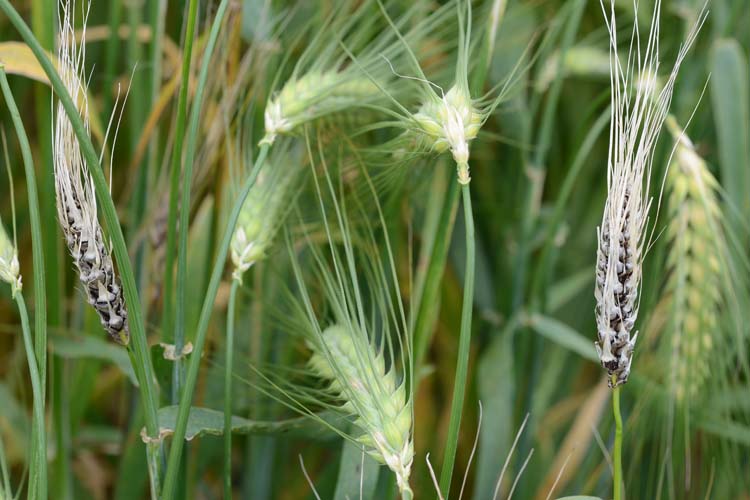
{"points": [[696, 248], [9, 267], [345, 67], [264, 210], [349, 313], [314, 95], [372, 393], [449, 121]]}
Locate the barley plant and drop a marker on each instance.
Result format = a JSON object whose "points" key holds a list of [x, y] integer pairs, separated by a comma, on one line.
{"points": [[345, 249]]}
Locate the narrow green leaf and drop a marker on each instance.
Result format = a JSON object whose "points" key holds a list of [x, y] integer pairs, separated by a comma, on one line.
{"points": [[729, 94], [204, 421], [14, 416], [496, 391], [358, 472], [727, 429], [563, 335], [566, 289], [93, 347]]}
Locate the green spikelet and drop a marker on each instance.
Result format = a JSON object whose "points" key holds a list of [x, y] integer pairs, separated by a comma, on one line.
{"points": [[372, 393], [451, 122], [694, 267], [315, 95], [264, 211], [9, 268]]}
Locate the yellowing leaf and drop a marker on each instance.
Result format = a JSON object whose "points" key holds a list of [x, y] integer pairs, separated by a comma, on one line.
{"points": [[19, 60]]}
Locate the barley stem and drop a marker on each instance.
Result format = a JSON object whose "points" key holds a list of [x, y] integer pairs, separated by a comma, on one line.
{"points": [[617, 459], [192, 135], [139, 345], [40, 293], [464, 343], [113, 45], [169, 322], [429, 295], [229, 356], [178, 439], [44, 27], [38, 470]]}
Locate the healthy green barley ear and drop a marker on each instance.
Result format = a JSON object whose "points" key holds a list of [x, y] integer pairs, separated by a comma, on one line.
{"points": [[696, 263], [266, 207], [321, 83], [373, 393], [326, 80], [9, 267], [312, 96], [449, 121], [348, 312]]}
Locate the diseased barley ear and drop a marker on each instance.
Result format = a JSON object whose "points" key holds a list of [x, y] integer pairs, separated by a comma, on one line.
{"points": [[9, 267], [76, 201], [638, 113], [372, 393], [695, 271]]}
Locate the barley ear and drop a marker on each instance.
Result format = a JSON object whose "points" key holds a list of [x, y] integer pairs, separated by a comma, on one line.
{"points": [[313, 96], [9, 267], [696, 247], [76, 201], [638, 113], [265, 209], [372, 393]]}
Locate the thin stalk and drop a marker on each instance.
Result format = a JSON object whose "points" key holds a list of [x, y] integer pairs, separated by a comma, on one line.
{"points": [[139, 345], [41, 21], [136, 99], [157, 18], [425, 318], [113, 44], [40, 292], [617, 455], [5, 488], [178, 439], [190, 145], [464, 343], [169, 320], [537, 168], [40, 296], [136, 119], [38, 469], [229, 356], [192, 137]]}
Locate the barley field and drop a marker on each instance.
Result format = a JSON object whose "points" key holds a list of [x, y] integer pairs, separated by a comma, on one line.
{"points": [[375, 249]]}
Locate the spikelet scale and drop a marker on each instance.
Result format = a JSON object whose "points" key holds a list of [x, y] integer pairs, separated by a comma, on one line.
{"points": [[76, 201], [638, 113]]}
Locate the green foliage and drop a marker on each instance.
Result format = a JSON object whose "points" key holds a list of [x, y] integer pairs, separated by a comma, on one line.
{"points": [[378, 297]]}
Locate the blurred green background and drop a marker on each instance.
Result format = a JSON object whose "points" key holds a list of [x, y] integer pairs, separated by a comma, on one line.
{"points": [[539, 185]]}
